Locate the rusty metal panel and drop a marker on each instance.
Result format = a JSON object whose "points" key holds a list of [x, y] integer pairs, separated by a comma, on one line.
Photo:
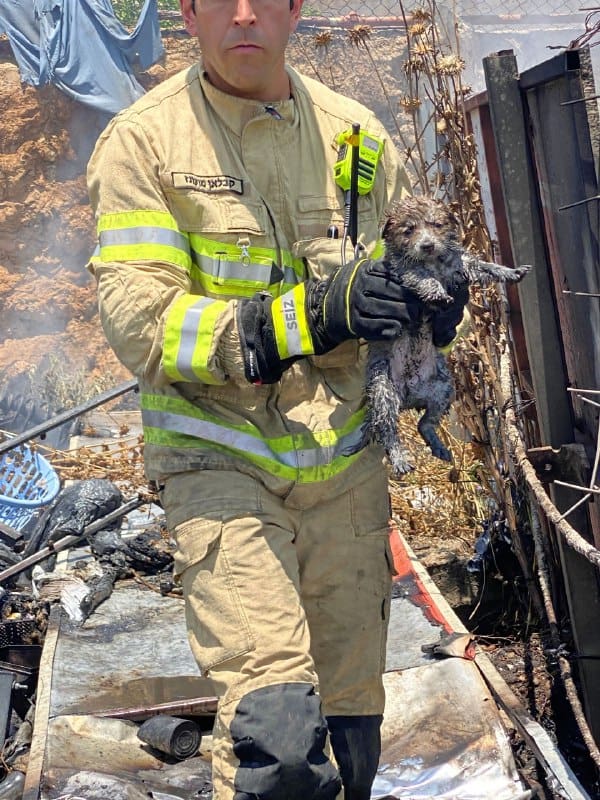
{"points": [[542, 153], [565, 168], [157, 669], [527, 244]]}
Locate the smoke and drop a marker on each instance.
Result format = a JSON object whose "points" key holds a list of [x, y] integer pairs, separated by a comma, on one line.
{"points": [[533, 39]]}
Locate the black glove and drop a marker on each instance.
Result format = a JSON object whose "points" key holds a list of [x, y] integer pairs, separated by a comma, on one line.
{"points": [[359, 300], [445, 321], [262, 362]]}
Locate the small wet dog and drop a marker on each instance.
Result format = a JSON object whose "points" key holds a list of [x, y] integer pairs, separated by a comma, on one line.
{"points": [[422, 246]]}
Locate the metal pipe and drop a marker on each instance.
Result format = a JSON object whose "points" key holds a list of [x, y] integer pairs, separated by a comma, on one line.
{"points": [[65, 416], [67, 541]]}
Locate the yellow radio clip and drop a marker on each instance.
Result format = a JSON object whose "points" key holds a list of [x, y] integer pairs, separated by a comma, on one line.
{"points": [[370, 148]]}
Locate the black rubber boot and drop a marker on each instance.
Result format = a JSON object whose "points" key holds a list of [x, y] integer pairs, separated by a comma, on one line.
{"points": [[356, 744], [279, 737]]}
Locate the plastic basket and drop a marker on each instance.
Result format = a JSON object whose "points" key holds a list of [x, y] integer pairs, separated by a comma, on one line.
{"points": [[27, 482]]}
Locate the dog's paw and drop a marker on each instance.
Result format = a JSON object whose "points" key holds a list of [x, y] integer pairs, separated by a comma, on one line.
{"points": [[441, 452], [521, 271], [399, 465], [437, 299]]}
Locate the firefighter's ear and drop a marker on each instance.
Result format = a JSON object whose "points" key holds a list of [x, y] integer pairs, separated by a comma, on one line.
{"points": [[296, 9], [188, 12]]}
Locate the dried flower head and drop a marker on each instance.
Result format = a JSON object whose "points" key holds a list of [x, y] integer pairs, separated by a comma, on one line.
{"points": [[421, 15], [323, 39], [409, 104], [417, 29], [450, 65], [414, 64], [423, 49], [359, 34]]}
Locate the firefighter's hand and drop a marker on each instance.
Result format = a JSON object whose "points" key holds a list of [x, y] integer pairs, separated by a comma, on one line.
{"points": [[358, 301], [361, 300], [445, 321]]}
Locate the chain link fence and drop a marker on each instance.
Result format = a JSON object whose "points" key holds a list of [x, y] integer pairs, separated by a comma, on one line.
{"points": [[332, 9], [503, 9]]}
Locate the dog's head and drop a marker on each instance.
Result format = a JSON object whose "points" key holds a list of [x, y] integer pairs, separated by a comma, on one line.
{"points": [[420, 229]]}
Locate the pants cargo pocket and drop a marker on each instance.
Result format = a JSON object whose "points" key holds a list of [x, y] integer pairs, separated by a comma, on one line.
{"points": [[217, 624]]}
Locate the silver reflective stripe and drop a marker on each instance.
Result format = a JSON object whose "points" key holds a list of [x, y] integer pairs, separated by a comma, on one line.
{"points": [[223, 269], [243, 442], [189, 335], [144, 235], [232, 270]]}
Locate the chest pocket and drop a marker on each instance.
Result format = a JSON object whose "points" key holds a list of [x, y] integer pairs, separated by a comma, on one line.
{"points": [[316, 215], [228, 243]]}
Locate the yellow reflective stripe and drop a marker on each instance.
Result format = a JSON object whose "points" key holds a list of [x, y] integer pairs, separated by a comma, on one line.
{"points": [[230, 287], [314, 456], [188, 338], [292, 333], [224, 268], [236, 252], [233, 289], [134, 219], [143, 236], [146, 252]]}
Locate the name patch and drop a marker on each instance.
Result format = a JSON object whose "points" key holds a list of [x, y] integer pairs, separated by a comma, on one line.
{"points": [[207, 183]]}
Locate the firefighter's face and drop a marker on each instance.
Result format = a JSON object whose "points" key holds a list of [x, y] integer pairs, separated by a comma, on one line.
{"points": [[243, 43]]}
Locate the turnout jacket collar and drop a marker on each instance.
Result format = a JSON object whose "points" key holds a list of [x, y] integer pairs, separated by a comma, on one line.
{"points": [[237, 112]]}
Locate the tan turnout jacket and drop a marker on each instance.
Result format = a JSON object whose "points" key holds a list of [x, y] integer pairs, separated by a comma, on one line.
{"points": [[202, 199]]}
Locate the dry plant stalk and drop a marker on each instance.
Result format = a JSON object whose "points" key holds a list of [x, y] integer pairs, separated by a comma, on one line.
{"points": [[121, 462], [433, 101], [591, 35]]}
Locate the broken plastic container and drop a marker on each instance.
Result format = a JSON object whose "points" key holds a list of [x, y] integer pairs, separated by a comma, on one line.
{"points": [[27, 482]]}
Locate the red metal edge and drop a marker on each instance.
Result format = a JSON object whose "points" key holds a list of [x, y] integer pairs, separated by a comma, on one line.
{"points": [[417, 591]]}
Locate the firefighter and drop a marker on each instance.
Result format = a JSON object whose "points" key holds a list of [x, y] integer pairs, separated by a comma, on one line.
{"points": [[222, 288]]}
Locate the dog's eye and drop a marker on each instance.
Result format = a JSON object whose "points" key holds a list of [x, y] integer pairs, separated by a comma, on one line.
{"points": [[409, 228], [438, 224]]}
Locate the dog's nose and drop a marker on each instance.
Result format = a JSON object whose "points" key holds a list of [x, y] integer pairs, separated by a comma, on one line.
{"points": [[427, 248]]}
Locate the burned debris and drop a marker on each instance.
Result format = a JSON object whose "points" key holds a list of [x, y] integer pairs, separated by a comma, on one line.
{"points": [[64, 542]]}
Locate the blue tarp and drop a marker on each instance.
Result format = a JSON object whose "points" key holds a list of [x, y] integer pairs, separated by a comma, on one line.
{"points": [[81, 47]]}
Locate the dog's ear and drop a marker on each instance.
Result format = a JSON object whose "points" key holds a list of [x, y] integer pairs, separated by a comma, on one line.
{"points": [[390, 221]]}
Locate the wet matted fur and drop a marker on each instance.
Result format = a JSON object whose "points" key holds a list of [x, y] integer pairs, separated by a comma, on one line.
{"points": [[422, 238]]}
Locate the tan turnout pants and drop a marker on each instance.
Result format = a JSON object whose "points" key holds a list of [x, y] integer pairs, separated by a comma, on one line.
{"points": [[282, 590]]}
